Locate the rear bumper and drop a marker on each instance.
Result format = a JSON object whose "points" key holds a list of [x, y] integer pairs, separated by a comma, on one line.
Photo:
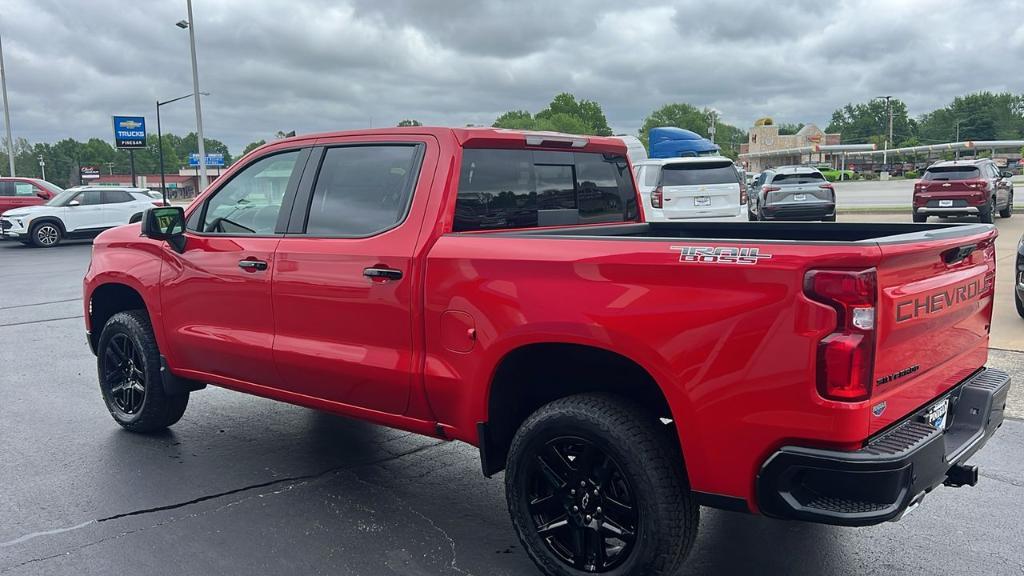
{"points": [[973, 210], [894, 470], [799, 211]]}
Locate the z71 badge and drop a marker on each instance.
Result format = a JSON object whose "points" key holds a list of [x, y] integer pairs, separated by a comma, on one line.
{"points": [[720, 254]]}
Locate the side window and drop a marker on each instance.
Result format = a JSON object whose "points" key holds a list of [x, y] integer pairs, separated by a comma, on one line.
{"points": [[651, 178], [251, 201], [116, 196], [24, 189], [525, 188], [7, 188], [362, 190], [90, 198]]}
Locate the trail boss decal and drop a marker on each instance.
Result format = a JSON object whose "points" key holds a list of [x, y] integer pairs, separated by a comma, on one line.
{"points": [[720, 254], [936, 302]]}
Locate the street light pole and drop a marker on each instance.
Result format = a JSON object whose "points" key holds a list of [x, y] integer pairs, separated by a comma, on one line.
{"points": [[7, 110], [888, 109], [42, 166], [160, 139], [195, 93], [957, 139]]}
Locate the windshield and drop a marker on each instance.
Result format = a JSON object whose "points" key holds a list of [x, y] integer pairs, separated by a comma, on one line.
{"points": [[49, 186], [62, 198], [952, 173], [698, 174]]}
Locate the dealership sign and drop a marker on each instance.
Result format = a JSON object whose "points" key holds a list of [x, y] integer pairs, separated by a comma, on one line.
{"points": [[211, 159], [129, 132], [89, 173]]}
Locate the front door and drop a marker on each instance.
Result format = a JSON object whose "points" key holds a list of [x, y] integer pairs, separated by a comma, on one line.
{"points": [[217, 311], [88, 215], [344, 289]]}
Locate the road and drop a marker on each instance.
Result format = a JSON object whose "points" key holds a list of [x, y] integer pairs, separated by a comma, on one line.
{"points": [[892, 194], [248, 486]]}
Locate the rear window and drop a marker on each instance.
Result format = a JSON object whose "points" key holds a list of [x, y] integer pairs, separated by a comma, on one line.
{"points": [[529, 188], [697, 174], [952, 173], [798, 178]]}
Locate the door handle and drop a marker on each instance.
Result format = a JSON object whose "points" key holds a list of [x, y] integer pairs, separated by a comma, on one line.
{"points": [[252, 265], [382, 273]]}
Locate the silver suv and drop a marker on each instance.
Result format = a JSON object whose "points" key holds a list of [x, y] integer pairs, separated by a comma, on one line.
{"points": [[792, 193]]}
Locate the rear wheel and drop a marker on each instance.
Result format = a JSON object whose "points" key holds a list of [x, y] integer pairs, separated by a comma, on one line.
{"points": [[750, 215], [920, 217], [1008, 211], [1017, 301], [988, 213], [128, 362], [45, 234], [595, 485]]}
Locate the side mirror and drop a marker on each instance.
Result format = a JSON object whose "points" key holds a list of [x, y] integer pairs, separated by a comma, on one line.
{"points": [[74, 203], [1006, 174], [43, 195], [165, 223]]}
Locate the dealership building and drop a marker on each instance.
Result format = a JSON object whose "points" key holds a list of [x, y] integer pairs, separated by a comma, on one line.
{"points": [[766, 148]]}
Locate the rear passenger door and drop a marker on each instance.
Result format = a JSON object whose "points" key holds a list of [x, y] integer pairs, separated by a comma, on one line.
{"points": [[345, 289], [119, 207]]}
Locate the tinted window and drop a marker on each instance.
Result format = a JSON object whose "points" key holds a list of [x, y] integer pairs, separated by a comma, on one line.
{"points": [[525, 188], [24, 189], [362, 190], [651, 175], [798, 178], [697, 174], [90, 198], [7, 189], [952, 173], [116, 196], [251, 201]]}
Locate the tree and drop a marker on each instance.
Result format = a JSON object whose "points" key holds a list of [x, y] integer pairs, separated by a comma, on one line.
{"points": [[563, 114], [252, 146], [789, 129], [981, 116], [869, 122], [404, 123], [689, 117]]}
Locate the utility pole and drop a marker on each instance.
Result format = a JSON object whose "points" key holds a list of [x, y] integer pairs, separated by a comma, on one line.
{"points": [[190, 25], [42, 166], [7, 110], [957, 140], [888, 110]]}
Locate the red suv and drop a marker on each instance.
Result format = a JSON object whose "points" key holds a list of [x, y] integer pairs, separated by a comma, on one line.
{"points": [[963, 188], [21, 192]]}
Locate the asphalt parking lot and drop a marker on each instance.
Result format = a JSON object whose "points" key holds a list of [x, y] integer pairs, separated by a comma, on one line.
{"points": [[248, 486]]}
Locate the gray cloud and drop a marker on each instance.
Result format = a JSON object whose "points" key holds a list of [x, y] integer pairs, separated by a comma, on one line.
{"points": [[325, 65]]}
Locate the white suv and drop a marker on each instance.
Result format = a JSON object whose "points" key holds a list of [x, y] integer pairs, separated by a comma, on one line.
{"points": [[76, 213], [689, 187]]}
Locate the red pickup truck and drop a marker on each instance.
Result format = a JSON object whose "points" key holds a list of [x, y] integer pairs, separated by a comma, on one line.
{"points": [[501, 288]]}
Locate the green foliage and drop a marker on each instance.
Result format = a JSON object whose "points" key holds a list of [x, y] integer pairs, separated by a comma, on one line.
{"points": [[788, 129], [252, 146], [912, 174], [689, 117], [64, 158], [563, 114], [869, 122], [982, 116], [405, 123]]}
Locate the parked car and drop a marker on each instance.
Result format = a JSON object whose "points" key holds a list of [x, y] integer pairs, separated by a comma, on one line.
{"points": [[81, 212], [964, 188], [690, 187], [622, 373], [792, 193], [20, 192], [1018, 279]]}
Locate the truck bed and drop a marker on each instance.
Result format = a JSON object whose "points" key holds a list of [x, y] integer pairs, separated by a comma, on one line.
{"points": [[826, 232]]}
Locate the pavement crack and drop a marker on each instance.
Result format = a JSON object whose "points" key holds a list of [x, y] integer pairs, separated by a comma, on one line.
{"points": [[291, 482], [41, 321], [40, 304], [1003, 479]]}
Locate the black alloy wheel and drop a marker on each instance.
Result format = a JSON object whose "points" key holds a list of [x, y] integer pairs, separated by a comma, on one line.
{"points": [[582, 505], [123, 375]]}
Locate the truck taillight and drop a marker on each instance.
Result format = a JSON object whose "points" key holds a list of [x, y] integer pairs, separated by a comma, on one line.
{"points": [[657, 197], [743, 194], [846, 357]]}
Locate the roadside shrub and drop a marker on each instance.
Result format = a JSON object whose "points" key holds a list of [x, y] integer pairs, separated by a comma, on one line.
{"points": [[912, 174], [869, 176]]}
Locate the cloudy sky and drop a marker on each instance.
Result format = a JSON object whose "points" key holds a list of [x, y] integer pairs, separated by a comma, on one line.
{"points": [[339, 64]]}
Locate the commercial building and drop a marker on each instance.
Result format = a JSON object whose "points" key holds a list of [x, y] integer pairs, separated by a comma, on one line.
{"points": [[765, 147]]}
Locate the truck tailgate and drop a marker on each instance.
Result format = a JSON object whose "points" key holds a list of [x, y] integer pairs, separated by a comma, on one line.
{"points": [[934, 314]]}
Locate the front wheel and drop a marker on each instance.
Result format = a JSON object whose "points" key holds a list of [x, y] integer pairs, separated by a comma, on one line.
{"points": [[128, 362], [595, 485], [1008, 211], [45, 234], [1020, 305]]}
